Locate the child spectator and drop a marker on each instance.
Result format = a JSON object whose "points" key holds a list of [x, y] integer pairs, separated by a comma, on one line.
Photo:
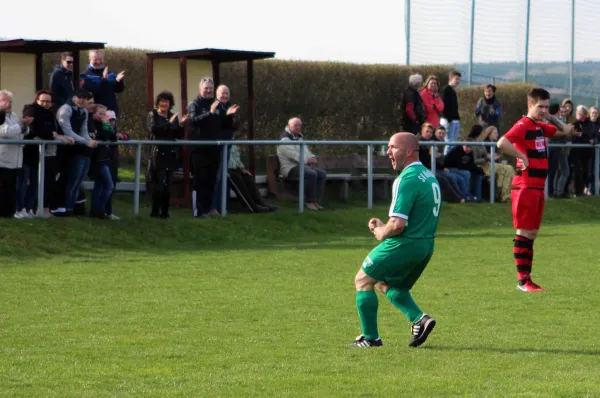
{"points": [[100, 170]]}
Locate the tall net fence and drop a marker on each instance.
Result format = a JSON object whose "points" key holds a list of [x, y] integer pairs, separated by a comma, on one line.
{"points": [[440, 33]]}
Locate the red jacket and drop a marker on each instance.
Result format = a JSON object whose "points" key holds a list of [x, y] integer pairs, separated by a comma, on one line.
{"points": [[433, 107]]}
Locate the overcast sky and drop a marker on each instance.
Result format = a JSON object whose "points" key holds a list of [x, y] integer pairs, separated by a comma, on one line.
{"points": [[349, 31]]}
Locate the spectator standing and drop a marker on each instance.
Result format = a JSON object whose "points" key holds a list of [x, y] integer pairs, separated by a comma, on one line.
{"points": [[489, 108], [413, 111], [432, 102], [582, 158], [559, 168], [163, 125], [103, 85], [73, 118], [114, 164], [205, 125], [289, 161], [61, 81], [451, 108], [11, 156], [227, 114], [594, 117], [100, 163], [43, 127]]}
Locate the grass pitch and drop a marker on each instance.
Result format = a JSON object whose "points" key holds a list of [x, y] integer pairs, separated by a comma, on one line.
{"points": [[263, 305]]}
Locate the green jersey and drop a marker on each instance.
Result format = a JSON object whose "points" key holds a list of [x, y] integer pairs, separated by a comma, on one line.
{"points": [[416, 198]]}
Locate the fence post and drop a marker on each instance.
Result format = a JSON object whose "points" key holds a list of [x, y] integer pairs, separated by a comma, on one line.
{"points": [[407, 33], [597, 170], [572, 62], [224, 190], [41, 178], [370, 176], [526, 66], [433, 158], [136, 190], [472, 42], [546, 189], [492, 174], [301, 181]]}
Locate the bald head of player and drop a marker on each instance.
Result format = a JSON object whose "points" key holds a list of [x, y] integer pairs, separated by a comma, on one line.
{"points": [[403, 149]]}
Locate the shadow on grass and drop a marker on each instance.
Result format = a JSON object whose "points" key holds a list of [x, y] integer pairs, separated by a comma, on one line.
{"points": [[525, 350]]}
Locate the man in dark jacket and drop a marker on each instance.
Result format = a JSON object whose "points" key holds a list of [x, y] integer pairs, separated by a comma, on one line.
{"points": [[413, 111], [103, 85], [61, 81], [204, 125], [451, 108]]}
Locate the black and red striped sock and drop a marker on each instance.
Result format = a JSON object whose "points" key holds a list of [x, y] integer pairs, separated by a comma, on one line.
{"points": [[523, 252]]}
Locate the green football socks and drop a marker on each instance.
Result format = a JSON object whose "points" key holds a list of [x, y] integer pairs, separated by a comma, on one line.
{"points": [[402, 300], [367, 304]]}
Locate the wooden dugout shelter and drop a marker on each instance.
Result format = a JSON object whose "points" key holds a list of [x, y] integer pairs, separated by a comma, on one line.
{"points": [[180, 72], [22, 69]]}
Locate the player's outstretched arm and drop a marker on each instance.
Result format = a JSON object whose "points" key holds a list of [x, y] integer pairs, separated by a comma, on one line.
{"points": [[394, 226], [506, 147], [562, 128]]}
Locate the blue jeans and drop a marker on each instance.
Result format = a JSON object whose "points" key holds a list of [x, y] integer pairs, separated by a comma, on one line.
{"points": [[216, 197], [80, 166], [452, 134], [465, 176], [460, 183], [27, 194], [103, 187], [477, 180]]}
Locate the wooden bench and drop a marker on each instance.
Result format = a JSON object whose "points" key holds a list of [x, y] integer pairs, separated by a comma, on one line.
{"points": [[340, 169]]}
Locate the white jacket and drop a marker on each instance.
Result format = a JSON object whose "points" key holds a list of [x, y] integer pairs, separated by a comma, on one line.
{"points": [[289, 155], [11, 156]]}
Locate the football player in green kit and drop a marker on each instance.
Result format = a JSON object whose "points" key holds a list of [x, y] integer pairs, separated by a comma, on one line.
{"points": [[407, 242]]}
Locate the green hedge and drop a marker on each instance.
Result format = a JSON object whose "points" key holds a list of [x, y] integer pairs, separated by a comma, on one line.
{"points": [[336, 100]]}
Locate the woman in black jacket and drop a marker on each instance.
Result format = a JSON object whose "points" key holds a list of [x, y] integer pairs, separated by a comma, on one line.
{"points": [[163, 125], [43, 127]]}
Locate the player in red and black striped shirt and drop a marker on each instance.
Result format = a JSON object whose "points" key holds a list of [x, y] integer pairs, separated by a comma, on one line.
{"points": [[526, 141]]}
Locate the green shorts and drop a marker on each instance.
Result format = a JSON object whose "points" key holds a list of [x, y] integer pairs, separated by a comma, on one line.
{"points": [[399, 262]]}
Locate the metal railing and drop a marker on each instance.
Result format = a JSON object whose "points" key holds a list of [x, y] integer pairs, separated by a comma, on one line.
{"points": [[226, 144]]}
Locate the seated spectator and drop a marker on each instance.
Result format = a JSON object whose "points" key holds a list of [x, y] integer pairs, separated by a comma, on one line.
{"points": [[244, 182], [43, 127], [450, 191], [163, 125], [11, 156], [289, 160], [489, 108], [459, 161], [504, 173], [99, 169], [433, 103], [73, 118], [440, 136]]}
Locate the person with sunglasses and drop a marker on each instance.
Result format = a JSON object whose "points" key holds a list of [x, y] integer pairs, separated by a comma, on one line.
{"points": [[61, 81]]}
